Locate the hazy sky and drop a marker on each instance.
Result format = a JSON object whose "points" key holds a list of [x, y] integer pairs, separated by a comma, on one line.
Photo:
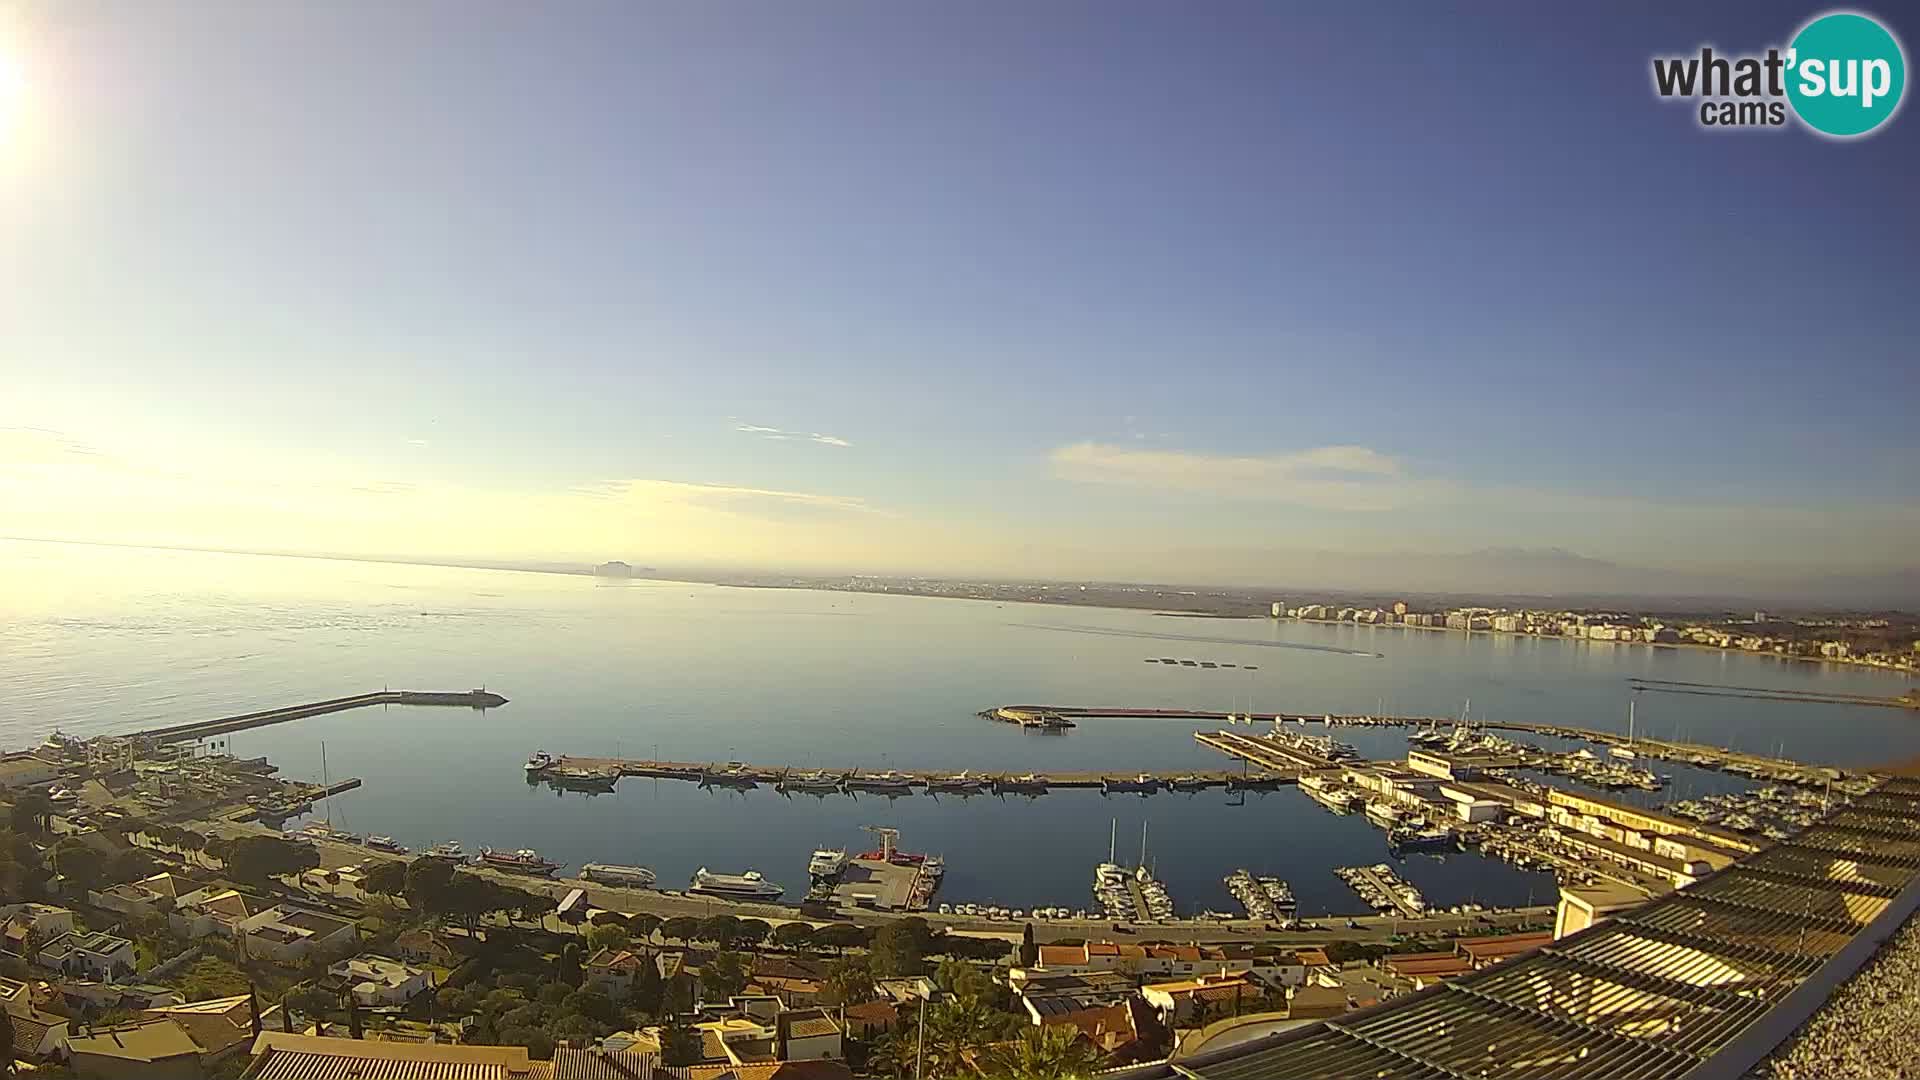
{"points": [[1158, 290]]}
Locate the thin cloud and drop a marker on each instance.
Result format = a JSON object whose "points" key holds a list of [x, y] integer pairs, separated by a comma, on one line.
{"points": [[41, 446], [1330, 477], [794, 436]]}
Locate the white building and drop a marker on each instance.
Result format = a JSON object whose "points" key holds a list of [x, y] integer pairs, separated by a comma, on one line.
{"points": [[381, 980], [98, 955]]}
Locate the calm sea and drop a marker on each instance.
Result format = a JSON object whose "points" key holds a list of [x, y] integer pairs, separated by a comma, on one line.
{"points": [[97, 640]]}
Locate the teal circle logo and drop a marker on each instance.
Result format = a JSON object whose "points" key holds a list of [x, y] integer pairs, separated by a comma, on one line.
{"points": [[1845, 74]]}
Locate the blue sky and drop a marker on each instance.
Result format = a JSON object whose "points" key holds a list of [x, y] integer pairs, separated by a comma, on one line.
{"points": [[1132, 289]]}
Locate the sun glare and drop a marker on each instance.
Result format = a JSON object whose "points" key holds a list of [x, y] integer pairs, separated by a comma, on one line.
{"points": [[12, 90]]}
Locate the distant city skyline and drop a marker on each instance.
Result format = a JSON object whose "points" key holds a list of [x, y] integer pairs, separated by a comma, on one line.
{"points": [[1080, 292]]}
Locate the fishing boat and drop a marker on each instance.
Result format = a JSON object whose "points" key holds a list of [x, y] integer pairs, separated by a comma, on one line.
{"points": [[733, 775], [889, 782], [637, 877], [1025, 783], [748, 886], [523, 861], [818, 781], [960, 783], [597, 781], [447, 849], [1256, 782], [386, 844], [1189, 782], [540, 762], [1143, 784]]}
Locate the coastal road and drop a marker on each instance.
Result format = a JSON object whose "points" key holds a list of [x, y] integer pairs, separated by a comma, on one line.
{"points": [[668, 904]]}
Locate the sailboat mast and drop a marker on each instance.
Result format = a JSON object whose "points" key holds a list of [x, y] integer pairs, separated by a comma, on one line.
{"points": [[1143, 842], [1113, 836], [325, 783]]}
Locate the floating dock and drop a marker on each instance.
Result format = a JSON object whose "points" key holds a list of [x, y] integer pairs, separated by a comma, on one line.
{"points": [[200, 729]]}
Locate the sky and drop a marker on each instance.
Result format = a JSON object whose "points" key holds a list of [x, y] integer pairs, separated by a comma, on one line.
{"points": [[1231, 292]]}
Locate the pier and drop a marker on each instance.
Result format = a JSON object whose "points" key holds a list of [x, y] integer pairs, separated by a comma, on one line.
{"points": [[740, 775], [1725, 759], [200, 729]]}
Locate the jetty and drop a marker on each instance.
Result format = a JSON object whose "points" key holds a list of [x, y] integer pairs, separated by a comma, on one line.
{"points": [[1725, 759], [200, 729], [740, 775]]}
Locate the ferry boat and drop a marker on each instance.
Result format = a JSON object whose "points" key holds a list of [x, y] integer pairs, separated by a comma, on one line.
{"points": [[1144, 784], [963, 783], [447, 849], [638, 877], [889, 781], [386, 844], [747, 886], [524, 861], [540, 762], [827, 863]]}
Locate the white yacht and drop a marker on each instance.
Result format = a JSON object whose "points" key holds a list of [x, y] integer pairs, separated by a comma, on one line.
{"points": [[638, 877], [827, 863], [747, 886]]}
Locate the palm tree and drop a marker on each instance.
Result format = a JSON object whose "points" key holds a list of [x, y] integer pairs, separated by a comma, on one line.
{"points": [[1045, 1053]]}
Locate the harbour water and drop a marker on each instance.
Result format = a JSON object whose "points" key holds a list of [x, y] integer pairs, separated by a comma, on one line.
{"points": [[96, 640]]}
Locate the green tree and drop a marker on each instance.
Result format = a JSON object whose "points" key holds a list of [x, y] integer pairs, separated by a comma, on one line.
{"points": [[840, 936], [647, 990], [962, 980], [724, 976], [901, 947], [1029, 951], [591, 1004], [956, 1029], [606, 937], [567, 970], [310, 1001], [77, 863], [387, 877], [552, 994], [260, 859], [211, 977], [793, 935], [6, 1043], [679, 1043], [680, 928], [753, 931], [848, 981], [1047, 1052], [32, 812], [641, 926], [721, 930], [539, 1044], [131, 864], [608, 918]]}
